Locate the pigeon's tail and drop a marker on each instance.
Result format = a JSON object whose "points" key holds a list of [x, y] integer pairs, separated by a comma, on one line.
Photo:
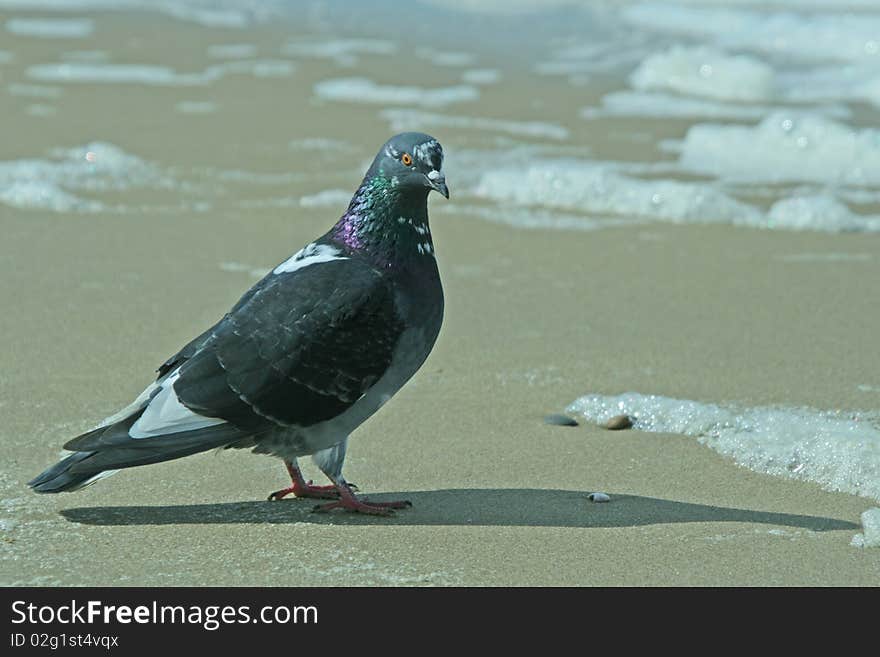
{"points": [[102, 451], [61, 477]]}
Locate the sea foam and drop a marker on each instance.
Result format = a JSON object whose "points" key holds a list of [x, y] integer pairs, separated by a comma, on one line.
{"points": [[819, 212], [871, 530], [597, 187], [51, 28], [344, 52], [363, 90], [838, 450], [94, 167], [847, 37], [706, 72], [82, 72], [406, 119], [785, 147]]}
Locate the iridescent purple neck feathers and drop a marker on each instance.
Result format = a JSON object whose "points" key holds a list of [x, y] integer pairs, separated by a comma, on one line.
{"points": [[385, 223]]}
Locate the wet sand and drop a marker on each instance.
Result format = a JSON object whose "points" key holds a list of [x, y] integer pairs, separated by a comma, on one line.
{"points": [[533, 321], [93, 303]]}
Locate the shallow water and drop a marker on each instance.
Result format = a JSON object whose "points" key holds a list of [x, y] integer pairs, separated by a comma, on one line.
{"points": [[786, 99]]}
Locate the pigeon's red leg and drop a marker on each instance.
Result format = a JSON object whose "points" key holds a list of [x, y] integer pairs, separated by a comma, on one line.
{"points": [[302, 488], [348, 501]]}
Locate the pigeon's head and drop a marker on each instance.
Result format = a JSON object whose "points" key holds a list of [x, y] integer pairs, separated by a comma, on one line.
{"points": [[412, 161]]}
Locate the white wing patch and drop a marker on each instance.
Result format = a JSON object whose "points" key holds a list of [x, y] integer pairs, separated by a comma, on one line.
{"points": [[309, 255], [132, 408], [165, 414]]}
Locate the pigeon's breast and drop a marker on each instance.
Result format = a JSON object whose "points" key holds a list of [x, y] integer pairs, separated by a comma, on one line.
{"points": [[420, 305], [411, 351]]}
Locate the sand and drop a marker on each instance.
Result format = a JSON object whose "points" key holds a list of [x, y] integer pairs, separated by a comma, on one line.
{"points": [[499, 497], [93, 303]]}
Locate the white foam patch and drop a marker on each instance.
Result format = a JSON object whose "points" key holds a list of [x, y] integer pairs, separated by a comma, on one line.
{"points": [[47, 183], [523, 177], [51, 28], [532, 219], [345, 52], [42, 196], [661, 105], [326, 198], [848, 37], [821, 213], [619, 50], [596, 187], [223, 17], [850, 82], [706, 72], [406, 119], [83, 72], [870, 536], [363, 90], [785, 147], [226, 14], [195, 107], [839, 451], [481, 76]]}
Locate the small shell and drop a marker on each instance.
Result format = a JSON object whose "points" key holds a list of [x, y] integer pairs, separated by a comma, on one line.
{"points": [[560, 420], [598, 497], [619, 422]]}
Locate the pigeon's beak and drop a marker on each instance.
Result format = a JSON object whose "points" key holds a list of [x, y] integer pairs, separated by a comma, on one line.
{"points": [[437, 181]]}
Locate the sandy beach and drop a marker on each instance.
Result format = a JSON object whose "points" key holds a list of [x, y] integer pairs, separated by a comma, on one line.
{"points": [[535, 318], [499, 497]]}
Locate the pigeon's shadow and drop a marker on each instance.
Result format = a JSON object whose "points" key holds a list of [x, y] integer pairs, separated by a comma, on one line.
{"points": [[511, 507]]}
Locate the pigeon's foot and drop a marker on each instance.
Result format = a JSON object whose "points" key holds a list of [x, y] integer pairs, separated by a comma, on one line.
{"points": [[349, 502], [303, 488], [306, 489]]}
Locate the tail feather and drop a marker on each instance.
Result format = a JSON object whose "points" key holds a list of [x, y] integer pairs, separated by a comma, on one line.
{"points": [[110, 448], [60, 477]]}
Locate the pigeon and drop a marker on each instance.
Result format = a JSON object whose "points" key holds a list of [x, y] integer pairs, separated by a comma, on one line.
{"points": [[310, 352]]}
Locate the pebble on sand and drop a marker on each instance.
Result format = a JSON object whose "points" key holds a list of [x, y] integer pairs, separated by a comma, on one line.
{"points": [[560, 420], [619, 422]]}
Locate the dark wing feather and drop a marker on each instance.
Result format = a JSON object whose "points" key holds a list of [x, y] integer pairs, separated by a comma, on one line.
{"points": [[301, 350]]}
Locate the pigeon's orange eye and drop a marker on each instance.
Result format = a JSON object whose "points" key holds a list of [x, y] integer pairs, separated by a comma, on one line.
{"points": [[406, 158]]}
